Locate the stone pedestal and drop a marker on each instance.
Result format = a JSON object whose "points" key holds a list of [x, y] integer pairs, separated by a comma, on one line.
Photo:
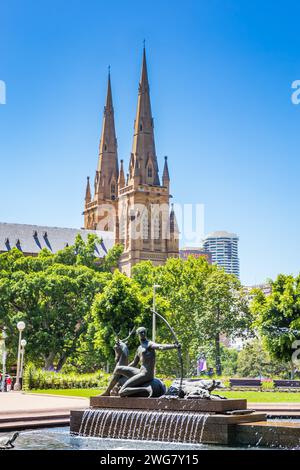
{"points": [[162, 419]]}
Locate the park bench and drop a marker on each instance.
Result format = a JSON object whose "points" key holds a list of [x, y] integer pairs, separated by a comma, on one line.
{"points": [[245, 384], [289, 385]]}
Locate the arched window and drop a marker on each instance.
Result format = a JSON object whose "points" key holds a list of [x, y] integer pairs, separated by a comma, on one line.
{"points": [[145, 226], [122, 227], [150, 171], [113, 189], [156, 227]]}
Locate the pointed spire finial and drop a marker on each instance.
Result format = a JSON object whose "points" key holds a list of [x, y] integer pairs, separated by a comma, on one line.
{"points": [[109, 102], [121, 180], [88, 195], [166, 177]]}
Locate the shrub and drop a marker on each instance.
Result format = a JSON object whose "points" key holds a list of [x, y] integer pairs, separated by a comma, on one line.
{"points": [[34, 378]]}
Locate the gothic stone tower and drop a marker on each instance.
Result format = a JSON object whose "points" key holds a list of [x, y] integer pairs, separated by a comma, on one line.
{"points": [[136, 209], [99, 211]]}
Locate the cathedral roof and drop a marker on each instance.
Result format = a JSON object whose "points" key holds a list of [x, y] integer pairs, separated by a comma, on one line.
{"points": [[31, 239]]}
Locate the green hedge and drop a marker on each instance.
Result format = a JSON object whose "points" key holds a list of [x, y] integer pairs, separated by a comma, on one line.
{"points": [[34, 378]]}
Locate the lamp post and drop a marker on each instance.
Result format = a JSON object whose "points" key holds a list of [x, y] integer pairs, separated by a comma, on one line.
{"points": [[4, 336], [156, 286], [21, 326], [23, 344]]}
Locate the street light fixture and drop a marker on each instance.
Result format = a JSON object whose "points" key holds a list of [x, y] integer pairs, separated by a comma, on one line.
{"points": [[23, 344], [4, 336], [21, 326], [156, 286]]}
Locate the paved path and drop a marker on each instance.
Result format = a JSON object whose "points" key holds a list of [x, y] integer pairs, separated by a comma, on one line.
{"points": [[20, 411], [18, 403], [277, 409]]}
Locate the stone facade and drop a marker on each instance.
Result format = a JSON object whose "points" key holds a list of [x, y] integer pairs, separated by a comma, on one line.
{"points": [[137, 208]]}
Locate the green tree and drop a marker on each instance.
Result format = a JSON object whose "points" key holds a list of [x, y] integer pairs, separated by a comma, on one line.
{"points": [[84, 254], [180, 299], [254, 361], [225, 312], [200, 301], [53, 303], [53, 294], [116, 310], [277, 317]]}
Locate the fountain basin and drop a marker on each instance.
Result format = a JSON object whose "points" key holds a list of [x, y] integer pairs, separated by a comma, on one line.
{"points": [[162, 419], [281, 434]]}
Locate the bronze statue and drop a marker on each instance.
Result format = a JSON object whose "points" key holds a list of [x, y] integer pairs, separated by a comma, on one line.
{"points": [[139, 381], [121, 358]]}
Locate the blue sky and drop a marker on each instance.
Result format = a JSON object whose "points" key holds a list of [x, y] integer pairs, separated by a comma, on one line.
{"points": [[220, 75]]}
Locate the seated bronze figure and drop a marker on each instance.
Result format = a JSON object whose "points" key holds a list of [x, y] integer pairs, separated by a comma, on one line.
{"points": [[134, 381]]}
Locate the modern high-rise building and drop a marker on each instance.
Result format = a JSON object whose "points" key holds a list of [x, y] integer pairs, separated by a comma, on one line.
{"points": [[223, 247]]}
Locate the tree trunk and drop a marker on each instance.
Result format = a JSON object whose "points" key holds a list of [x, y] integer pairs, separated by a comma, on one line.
{"points": [[188, 363], [49, 361], [61, 362], [218, 355]]}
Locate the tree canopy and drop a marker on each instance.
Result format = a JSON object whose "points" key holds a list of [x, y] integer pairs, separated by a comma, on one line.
{"points": [[53, 294], [277, 317]]}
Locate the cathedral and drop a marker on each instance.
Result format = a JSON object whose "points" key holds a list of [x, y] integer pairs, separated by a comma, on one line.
{"points": [[133, 211], [136, 207]]}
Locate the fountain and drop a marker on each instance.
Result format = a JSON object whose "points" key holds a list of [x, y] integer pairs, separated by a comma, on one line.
{"points": [[137, 406]]}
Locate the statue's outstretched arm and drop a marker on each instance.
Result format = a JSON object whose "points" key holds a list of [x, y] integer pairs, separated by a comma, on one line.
{"points": [[165, 347]]}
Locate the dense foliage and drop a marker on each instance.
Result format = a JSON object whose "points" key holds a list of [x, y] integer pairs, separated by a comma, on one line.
{"points": [[255, 361], [35, 378], [277, 318], [75, 305], [53, 294], [201, 302]]}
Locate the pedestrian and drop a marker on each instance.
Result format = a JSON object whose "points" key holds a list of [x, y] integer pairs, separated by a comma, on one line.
{"points": [[201, 365], [8, 383]]}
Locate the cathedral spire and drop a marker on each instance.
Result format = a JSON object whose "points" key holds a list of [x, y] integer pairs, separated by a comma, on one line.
{"points": [[108, 156], [143, 147], [121, 180], [166, 177], [88, 195]]}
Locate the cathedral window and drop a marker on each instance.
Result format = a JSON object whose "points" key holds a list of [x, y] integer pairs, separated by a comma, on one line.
{"points": [[150, 172], [145, 227], [156, 227], [113, 189], [123, 227]]}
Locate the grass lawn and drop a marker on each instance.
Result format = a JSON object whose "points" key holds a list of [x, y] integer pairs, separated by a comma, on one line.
{"points": [[264, 397], [253, 397]]}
